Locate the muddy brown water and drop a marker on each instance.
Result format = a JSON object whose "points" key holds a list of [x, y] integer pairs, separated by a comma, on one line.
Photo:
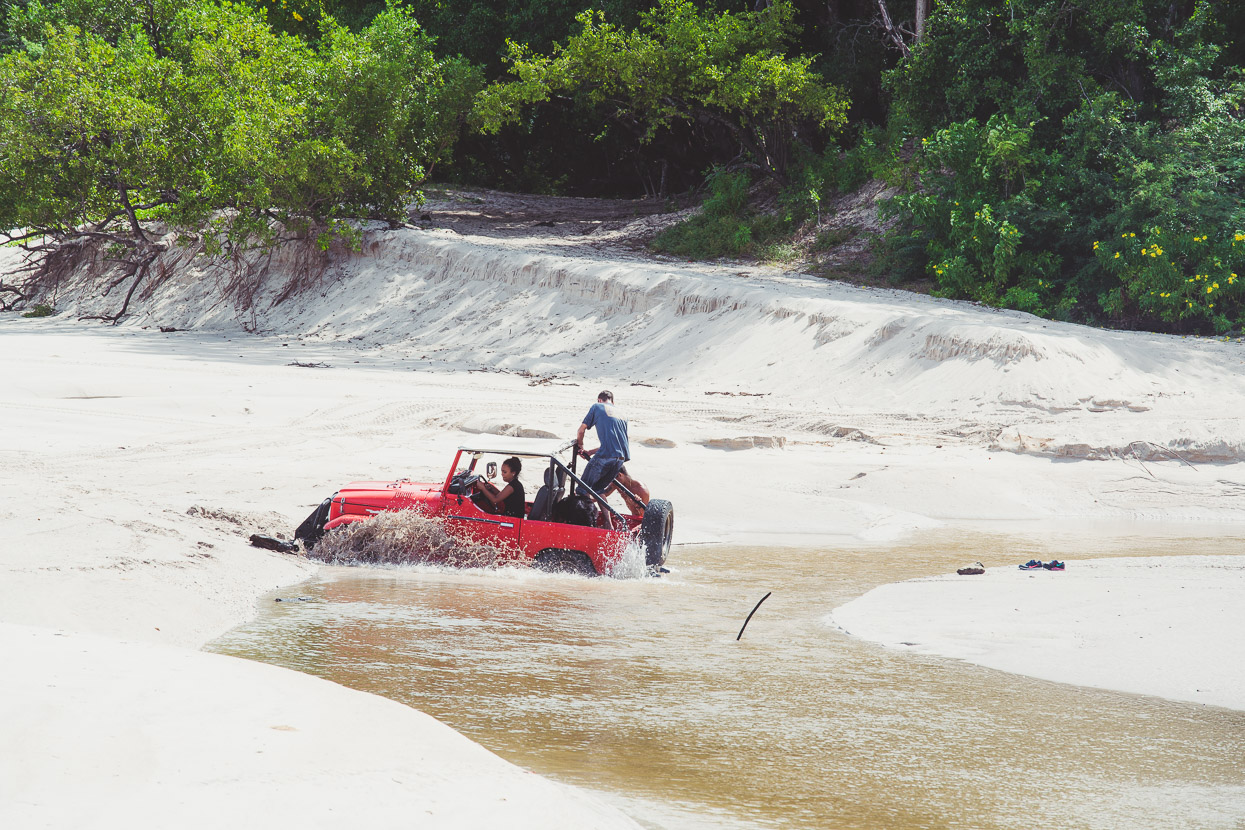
{"points": [[639, 691]]}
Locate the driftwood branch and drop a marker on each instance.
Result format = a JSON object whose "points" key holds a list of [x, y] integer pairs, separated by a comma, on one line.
{"points": [[1164, 451], [18, 296], [8, 237]]}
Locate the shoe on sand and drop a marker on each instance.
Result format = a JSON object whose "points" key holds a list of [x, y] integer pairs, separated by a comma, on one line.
{"points": [[1032, 565], [1054, 565], [972, 570]]}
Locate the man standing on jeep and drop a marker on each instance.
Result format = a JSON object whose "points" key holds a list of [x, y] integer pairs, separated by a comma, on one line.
{"points": [[605, 462]]}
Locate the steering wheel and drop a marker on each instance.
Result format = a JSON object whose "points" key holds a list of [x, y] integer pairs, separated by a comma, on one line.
{"points": [[463, 482]]}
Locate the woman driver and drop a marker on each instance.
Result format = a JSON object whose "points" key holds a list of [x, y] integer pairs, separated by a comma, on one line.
{"points": [[509, 500]]}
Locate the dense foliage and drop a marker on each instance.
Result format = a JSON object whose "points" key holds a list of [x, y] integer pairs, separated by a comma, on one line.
{"points": [[1082, 159], [721, 72], [201, 115]]}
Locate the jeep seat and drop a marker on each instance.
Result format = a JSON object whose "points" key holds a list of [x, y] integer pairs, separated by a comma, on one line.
{"points": [[549, 493]]}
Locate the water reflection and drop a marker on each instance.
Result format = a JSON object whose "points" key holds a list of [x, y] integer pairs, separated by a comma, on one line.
{"points": [[638, 689]]}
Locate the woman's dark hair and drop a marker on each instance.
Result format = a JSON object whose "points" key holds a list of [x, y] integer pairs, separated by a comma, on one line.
{"points": [[515, 465]]}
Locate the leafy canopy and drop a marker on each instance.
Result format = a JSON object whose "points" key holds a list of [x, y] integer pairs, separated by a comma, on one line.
{"points": [[210, 119], [680, 65], [1081, 159]]}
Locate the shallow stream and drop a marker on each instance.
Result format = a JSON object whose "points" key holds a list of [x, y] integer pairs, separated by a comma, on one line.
{"points": [[639, 691]]}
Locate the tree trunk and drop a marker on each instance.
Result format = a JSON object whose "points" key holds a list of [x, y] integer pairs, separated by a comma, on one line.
{"points": [[922, 12]]}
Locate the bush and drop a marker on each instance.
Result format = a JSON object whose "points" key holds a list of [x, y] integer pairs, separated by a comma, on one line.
{"points": [[727, 73], [1081, 165], [726, 225]]}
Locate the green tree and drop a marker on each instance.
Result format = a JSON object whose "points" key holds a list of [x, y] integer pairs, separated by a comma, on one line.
{"points": [[394, 103], [725, 71], [228, 129]]}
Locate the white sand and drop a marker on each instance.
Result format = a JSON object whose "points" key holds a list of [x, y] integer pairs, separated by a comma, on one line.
{"points": [[134, 463], [1166, 626], [133, 735]]}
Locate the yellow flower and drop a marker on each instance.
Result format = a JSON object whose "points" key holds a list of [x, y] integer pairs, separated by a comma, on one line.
{"points": [[1132, 234], [298, 17], [1095, 246], [1209, 289], [1117, 254]]}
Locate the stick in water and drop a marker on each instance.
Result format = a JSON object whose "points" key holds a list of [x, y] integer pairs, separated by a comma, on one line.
{"points": [[754, 610]]}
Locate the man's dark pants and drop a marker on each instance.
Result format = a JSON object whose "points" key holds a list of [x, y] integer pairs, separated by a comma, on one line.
{"points": [[599, 472]]}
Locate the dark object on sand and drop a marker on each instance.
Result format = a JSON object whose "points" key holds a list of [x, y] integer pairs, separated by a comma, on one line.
{"points": [[754, 610], [972, 570], [272, 543], [312, 528]]}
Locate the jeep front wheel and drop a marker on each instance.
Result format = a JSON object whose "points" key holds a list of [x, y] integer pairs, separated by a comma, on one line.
{"points": [[555, 560]]}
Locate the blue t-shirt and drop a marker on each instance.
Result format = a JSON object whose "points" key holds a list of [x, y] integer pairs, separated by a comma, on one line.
{"points": [[611, 431]]}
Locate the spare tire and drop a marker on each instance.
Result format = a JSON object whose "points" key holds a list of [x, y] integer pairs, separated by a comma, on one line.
{"points": [[656, 531]]}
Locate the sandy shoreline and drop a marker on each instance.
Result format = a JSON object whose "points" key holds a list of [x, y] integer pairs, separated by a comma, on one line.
{"points": [[137, 461], [1161, 626], [149, 736]]}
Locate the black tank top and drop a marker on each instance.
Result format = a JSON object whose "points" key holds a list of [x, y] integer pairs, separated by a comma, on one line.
{"points": [[514, 501]]}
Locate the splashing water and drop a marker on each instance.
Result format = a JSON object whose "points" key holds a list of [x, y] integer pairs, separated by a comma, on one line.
{"points": [[632, 563], [408, 537]]}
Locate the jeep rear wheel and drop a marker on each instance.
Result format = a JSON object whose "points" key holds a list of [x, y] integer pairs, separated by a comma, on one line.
{"points": [[555, 560], [656, 531]]}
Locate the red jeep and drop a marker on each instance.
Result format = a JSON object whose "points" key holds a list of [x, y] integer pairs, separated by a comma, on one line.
{"points": [[559, 531]]}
